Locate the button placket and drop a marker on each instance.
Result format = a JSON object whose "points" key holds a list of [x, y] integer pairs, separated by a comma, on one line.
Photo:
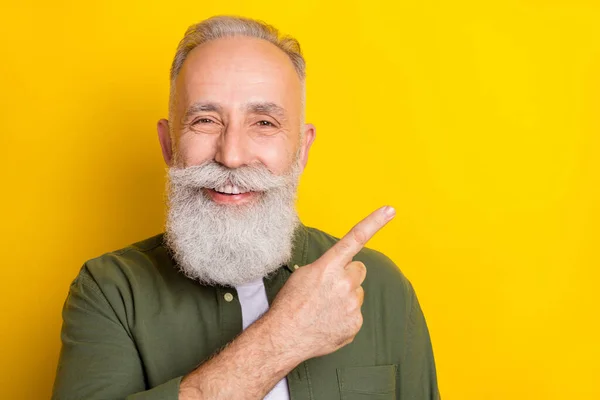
{"points": [[230, 313]]}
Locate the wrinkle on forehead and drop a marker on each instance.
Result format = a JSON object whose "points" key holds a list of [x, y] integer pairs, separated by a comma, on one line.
{"points": [[238, 70]]}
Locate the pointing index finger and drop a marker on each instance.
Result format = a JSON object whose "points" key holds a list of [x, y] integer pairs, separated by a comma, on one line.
{"points": [[353, 242]]}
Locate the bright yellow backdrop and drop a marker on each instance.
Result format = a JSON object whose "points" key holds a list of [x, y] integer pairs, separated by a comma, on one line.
{"points": [[478, 120]]}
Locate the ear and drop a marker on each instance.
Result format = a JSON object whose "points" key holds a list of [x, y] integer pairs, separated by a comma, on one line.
{"points": [[164, 137], [309, 136]]}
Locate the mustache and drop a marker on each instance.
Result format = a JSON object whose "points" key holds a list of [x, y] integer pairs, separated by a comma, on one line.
{"points": [[211, 175]]}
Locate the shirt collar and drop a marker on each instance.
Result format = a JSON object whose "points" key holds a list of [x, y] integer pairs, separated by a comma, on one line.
{"points": [[299, 248]]}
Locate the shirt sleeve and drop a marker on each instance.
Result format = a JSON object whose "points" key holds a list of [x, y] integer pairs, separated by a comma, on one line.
{"points": [[416, 378], [98, 358]]}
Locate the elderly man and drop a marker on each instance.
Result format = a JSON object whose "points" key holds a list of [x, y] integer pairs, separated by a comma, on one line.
{"points": [[238, 299]]}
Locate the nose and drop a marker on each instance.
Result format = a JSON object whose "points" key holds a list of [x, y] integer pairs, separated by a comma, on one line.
{"points": [[233, 150]]}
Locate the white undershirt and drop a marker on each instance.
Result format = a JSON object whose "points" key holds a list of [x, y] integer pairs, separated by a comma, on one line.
{"points": [[254, 302]]}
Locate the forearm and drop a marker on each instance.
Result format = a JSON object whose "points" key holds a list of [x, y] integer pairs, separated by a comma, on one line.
{"points": [[247, 368]]}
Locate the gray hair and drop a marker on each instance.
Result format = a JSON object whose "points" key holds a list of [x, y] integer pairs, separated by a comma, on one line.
{"points": [[222, 26]]}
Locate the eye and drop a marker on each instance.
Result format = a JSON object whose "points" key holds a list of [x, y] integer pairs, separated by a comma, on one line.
{"points": [[203, 121], [265, 123]]}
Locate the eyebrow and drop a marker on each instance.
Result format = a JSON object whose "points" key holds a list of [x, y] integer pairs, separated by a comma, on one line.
{"points": [[266, 108], [251, 108], [202, 107]]}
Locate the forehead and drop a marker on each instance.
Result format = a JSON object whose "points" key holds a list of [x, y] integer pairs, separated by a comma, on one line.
{"points": [[238, 70]]}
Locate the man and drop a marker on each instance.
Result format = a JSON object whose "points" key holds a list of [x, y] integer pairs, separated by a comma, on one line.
{"points": [[239, 300]]}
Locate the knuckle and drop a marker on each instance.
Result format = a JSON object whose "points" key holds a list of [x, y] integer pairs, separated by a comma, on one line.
{"points": [[361, 292], [342, 247], [359, 236], [354, 327], [352, 305], [359, 321], [346, 285], [355, 305]]}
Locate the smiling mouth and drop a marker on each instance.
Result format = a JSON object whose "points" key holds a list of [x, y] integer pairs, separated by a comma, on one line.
{"points": [[230, 189], [231, 195]]}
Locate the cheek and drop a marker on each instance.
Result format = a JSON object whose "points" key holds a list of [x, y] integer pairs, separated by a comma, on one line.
{"points": [[196, 149], [277, 155]]}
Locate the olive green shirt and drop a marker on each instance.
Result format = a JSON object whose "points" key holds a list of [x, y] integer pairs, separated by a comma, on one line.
{"points": [[134, 325]]}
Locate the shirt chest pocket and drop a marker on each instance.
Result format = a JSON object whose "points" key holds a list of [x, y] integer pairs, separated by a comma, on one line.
{"points": [[362, 383]]}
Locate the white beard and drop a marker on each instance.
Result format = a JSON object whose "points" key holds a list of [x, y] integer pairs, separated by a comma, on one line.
{"points": [[231, 245]]}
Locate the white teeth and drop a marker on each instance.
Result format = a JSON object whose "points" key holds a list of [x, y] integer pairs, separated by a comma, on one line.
{"points": [[230, 189]]}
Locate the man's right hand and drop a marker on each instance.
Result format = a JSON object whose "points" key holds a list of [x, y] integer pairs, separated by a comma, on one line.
{"points": [[319, 307]]}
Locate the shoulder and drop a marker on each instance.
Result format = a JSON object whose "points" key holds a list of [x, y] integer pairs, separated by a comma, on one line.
{"points": [[138, 263], [382, 273]]}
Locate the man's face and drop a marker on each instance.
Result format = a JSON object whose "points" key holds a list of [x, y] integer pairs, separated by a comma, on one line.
{"points": [[237, 102]]}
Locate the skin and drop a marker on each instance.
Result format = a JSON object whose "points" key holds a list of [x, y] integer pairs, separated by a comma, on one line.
{"points": [[238, 102]]}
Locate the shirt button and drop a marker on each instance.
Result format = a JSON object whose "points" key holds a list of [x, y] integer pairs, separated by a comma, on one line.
{"points": [[296, 267], [228, 297]]}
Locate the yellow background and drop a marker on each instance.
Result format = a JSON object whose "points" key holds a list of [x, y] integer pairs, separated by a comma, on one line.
{"points": [[478, 120]]}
